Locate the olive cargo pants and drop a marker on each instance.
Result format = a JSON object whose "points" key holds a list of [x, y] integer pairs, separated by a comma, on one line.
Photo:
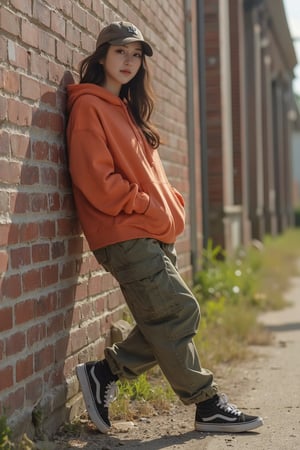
{"points": [[166, 314]]}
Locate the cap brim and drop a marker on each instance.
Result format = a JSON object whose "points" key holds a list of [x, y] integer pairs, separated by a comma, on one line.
{"points": [[146, 47]]}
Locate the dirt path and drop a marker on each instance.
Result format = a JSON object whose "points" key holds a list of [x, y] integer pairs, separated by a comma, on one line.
{"points": [[268, 386]]}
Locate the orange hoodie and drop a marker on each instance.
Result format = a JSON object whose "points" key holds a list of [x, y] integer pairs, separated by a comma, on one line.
{"points": [[120, 187]]}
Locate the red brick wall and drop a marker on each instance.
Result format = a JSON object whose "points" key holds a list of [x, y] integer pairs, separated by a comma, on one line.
{"points": [[56, 304]]}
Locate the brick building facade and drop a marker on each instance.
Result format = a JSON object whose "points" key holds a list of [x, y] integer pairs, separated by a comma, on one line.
{"points": [[57, 305], [249, 71]]}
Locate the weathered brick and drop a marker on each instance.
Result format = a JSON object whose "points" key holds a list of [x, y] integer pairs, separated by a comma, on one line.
{"points": [[35, 334], [41, 12], [14, 401], [64, 179], [79, 15], [29, 175], [114, 300], [39, 66], [98, 8], [43, 358], [9, 21], [81, 291], [57, 378], [72, 34], [3, 256], [93, 24], [34, 390], [11, 286], [57, 249], [4, 202], [17, 55], [40, 252], [54, 201], [47, 42], [4, 143], [24, 311], [58, 24], [3, 108], [39, 202], [46, 304], [11, 82], [3, 48], [48, 176], [15, 343], [6, 319], [29, 232], [22, 5], [40, 150], [24, 368], [10, 172], [55, 325], [66, 296], [56, 72], [31, 280], [50, 275], [20, 146], [19, 113], [48, 95], [93, 331], [30, 88], [47, 230], [30, 34], [88, 43], [68, 270], [61, 348], [1, 355], [75, 246], [6, 377], [63, 53], [78, 339], [20, 257]]}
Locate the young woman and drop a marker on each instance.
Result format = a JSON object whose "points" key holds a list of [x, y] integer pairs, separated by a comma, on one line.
{"points": [[131, 216]]}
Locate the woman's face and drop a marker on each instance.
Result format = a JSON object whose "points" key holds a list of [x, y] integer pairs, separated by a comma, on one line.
{"points": [[121, 64]]}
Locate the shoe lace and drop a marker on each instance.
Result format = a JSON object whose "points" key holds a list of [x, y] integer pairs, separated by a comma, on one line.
{"points": [[228, 407], [111, 393]]}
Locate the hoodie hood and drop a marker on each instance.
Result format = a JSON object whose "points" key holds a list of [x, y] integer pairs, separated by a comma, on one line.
{"points": [[75, 91]]}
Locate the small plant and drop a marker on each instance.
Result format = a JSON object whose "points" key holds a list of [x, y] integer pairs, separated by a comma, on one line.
{"points": [[226, 280], [5, 434], [149, 392], [227, 292], [74, 428], [37, 421]]}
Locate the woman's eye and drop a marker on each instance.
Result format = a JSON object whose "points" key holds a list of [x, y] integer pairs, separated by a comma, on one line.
{"points": [[138, 55]]}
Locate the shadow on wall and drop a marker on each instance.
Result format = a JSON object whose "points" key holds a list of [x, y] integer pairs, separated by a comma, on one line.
{"points": [[41, 283]]}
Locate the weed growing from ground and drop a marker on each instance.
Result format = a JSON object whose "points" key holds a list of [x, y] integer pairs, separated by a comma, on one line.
{"points": [[5, 434]]}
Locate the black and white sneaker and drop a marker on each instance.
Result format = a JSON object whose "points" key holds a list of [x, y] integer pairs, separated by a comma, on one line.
{"points": [[99, 389], [217, 415]]}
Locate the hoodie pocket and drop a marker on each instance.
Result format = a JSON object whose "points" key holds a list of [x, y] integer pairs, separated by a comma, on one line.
{"points": [[159, 218]]}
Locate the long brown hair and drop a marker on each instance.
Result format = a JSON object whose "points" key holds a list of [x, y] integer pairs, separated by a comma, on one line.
{"points": [[138, 92]]}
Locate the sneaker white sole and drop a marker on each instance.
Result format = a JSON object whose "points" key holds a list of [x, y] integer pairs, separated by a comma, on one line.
{"points": [[89, 400], [229, 427]]}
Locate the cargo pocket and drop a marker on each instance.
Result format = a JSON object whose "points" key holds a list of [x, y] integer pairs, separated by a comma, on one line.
{"points": [[149, 290]]}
